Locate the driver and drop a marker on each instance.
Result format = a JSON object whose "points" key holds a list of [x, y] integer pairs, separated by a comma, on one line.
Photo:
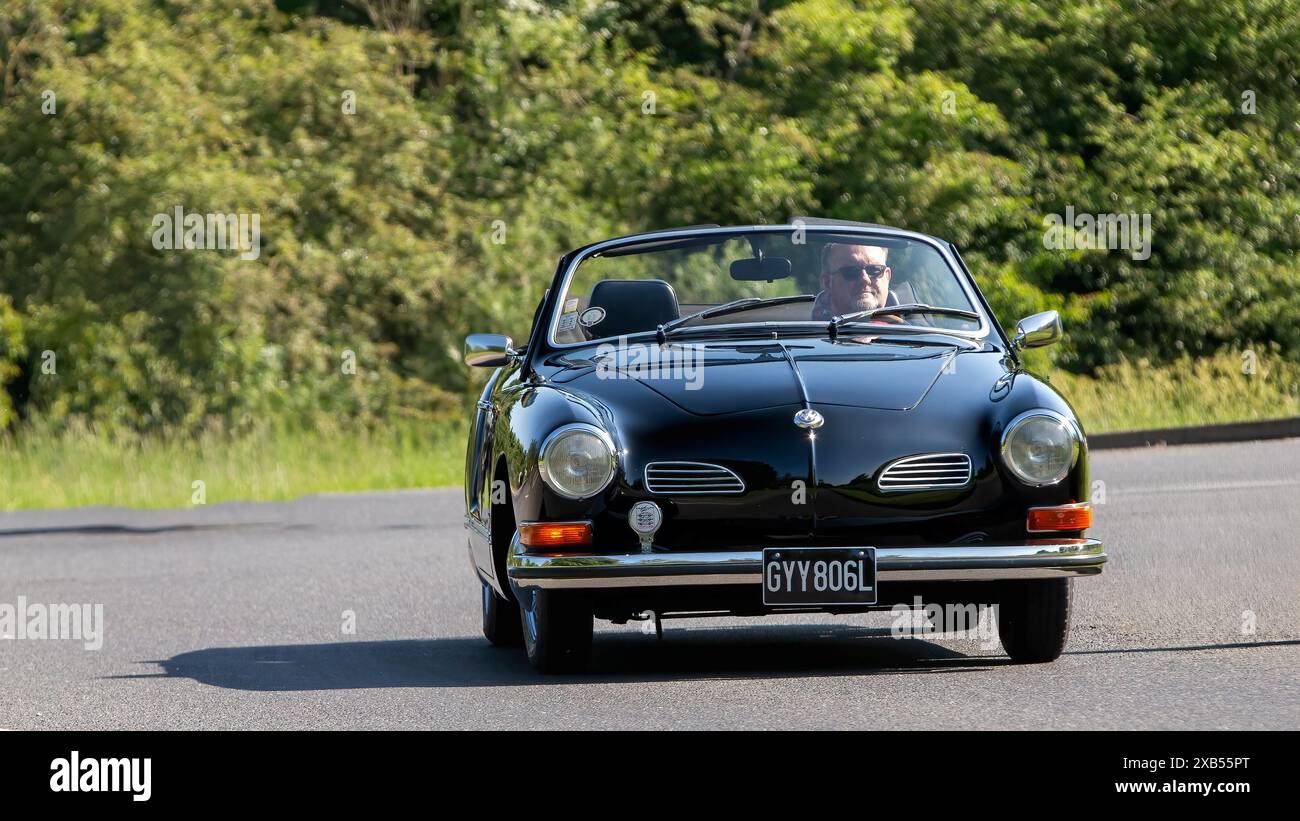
{"points": [[853, 278]]}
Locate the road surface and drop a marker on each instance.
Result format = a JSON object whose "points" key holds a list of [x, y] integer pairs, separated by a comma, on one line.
{"points": [[360, 611]]}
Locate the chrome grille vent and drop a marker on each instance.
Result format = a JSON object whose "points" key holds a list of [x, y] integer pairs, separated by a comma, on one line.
{"points": [[930, 471], [690, 478]]}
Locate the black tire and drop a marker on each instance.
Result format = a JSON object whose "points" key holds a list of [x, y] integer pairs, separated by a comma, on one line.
{"points": [[1034, 620], [500, 619], [556, 627]]}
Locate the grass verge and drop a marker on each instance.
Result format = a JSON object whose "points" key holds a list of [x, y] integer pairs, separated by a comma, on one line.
{"points": [[1137, 396], [76, 468], [72, 469]]}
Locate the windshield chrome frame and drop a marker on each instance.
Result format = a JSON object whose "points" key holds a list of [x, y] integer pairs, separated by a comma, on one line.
{"points": [[958, 272]]}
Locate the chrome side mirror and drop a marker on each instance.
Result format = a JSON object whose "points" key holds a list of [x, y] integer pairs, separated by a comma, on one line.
{"points": [[1038, 330], [488, 350]]}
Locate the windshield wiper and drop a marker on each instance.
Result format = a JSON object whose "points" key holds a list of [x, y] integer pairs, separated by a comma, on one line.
{"points": [[911, 308], [732, 307]]}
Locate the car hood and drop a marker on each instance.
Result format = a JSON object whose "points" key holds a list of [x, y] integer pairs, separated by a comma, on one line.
{"points": [[730, 377], [734, 406]]}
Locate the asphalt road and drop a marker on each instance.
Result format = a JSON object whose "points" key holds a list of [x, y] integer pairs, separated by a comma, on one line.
{"points": [[233, 616]]}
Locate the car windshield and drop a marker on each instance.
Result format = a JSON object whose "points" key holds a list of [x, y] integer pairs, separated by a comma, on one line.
{"points": [[692, 282]]}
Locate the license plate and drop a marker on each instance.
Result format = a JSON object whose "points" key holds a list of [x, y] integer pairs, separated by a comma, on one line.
{"points": [[819, 575]]}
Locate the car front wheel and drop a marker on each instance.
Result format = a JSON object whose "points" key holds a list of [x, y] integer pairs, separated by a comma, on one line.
{"points": [[1034, 619], [557, 630], [500, 619]]}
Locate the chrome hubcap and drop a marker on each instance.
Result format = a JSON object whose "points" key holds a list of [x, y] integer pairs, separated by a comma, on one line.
{"points": [[530, 622]]}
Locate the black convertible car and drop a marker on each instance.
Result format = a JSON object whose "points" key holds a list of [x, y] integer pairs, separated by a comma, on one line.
{"points": [[820, 416]]}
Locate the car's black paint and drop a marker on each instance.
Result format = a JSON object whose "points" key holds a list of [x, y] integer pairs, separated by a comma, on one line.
{"points": [[892, 396]]}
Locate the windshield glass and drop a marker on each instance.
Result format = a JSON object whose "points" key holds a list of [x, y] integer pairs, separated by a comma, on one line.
{"points": [[636, 288]]}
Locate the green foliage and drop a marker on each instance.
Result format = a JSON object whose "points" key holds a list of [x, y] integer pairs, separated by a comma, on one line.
{"points": [[487, 138], [237, 112], [12, 349], [1184, 110]]}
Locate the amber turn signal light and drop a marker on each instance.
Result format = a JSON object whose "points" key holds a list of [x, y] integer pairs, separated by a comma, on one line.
{"points": [[1063, 517], [549, 535]]}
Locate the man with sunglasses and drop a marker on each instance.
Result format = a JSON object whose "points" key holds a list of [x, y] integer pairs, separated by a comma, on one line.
{"points": [[853, 278]]}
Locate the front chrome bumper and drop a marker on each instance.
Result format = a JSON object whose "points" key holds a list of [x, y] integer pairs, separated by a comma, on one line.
{"points": [[1036, 558]]}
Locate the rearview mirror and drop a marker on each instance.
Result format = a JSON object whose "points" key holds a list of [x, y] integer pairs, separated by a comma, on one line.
{"points": [[760, 269], [487, 350], [1038, 330]]}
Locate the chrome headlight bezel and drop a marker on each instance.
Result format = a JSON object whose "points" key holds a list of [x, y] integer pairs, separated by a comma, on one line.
{"points": [[556, 437], [1071, 428]]}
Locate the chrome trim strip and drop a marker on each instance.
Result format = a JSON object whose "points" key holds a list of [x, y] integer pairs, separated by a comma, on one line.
{"points": [[478, 527], [958, 271], [938, 471], [1033, 559], [681, 474]]}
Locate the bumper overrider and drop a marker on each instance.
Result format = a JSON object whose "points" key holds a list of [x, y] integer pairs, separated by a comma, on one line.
{"points": [[1034, 558]]}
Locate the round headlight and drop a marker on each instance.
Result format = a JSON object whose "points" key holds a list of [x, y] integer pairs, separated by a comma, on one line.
{"points": [[1040, 447], [577, 461]]}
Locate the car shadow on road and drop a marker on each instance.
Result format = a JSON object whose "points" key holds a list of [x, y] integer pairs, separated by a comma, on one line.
{"points": [[787, 651], [118, 530], [1236, 645]]}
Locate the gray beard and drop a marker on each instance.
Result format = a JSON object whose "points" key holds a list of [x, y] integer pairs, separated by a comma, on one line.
{"points": [[866, 302]]}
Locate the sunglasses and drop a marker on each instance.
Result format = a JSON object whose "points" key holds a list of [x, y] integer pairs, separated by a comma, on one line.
{"points": [[852, 272]]}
